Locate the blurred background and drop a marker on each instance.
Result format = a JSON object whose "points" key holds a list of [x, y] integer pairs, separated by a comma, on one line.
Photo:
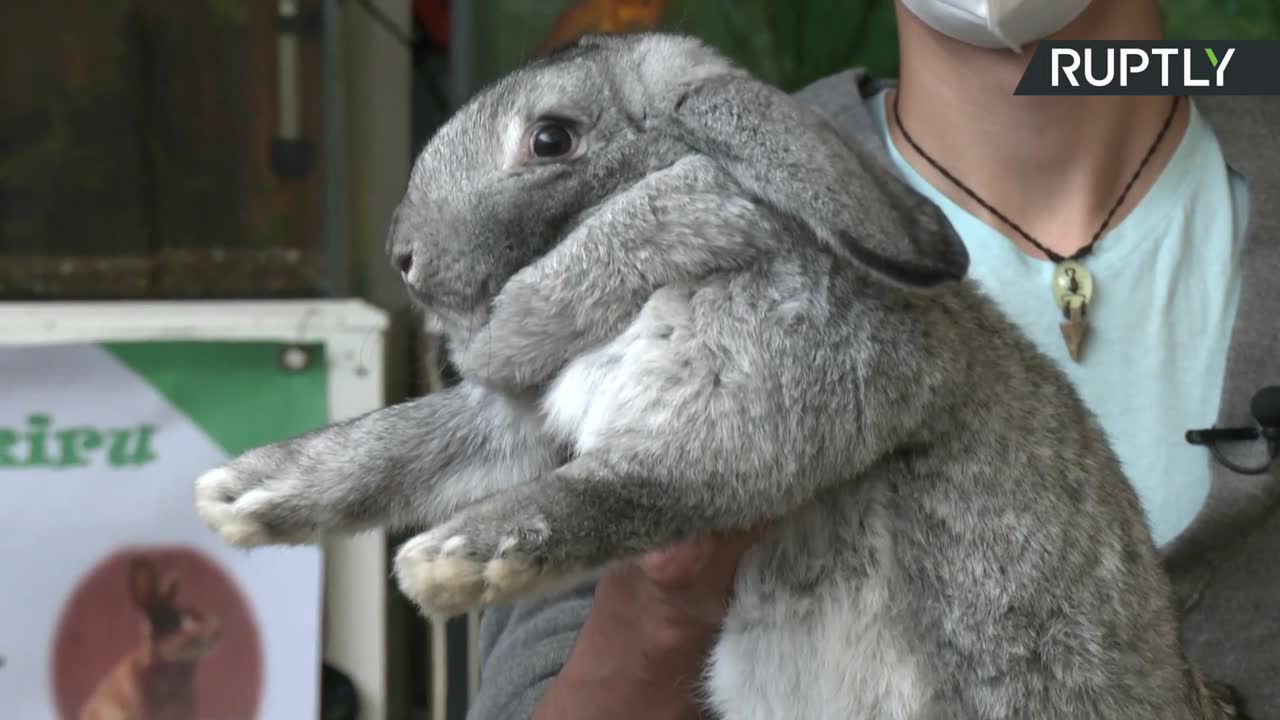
{"points": [[196, 150], [145, 142]]}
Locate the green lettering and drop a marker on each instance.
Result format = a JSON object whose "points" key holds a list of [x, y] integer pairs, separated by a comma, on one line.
{"points": [[37, 436], [8, 441], [74, 442], [121, 454], [143, 454]]}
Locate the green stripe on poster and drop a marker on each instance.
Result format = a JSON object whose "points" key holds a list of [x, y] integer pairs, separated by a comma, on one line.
{"points": [[244, 397]]}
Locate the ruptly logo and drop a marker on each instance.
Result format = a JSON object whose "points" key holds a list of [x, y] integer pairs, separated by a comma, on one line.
{"points": [[1098, 67]]}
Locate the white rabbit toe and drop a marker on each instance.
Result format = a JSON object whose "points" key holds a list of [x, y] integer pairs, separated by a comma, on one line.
{"points": [[240, 531], [215, 504], [215, 485], [507, 578], [442, 585], [235, 517], [453, 544], [446, 574]]}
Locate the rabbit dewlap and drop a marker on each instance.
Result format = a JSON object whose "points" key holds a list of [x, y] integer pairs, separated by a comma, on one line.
{"points": [[680, 301]]}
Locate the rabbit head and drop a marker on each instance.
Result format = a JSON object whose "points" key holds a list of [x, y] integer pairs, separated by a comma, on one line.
{"points": [[543, 149], [518, 166], [176, 633]]}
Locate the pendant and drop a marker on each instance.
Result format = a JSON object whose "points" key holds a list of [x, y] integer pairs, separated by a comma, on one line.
{"points": [[1072, 291]]}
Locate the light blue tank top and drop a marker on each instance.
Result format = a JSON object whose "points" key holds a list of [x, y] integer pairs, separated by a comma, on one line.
{"points": [[1167, 287]]}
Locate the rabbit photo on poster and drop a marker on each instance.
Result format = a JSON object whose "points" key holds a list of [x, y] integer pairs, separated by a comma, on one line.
{"points": [[156, 681], [680, 301]]}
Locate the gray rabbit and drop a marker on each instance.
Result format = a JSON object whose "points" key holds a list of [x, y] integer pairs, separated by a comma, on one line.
{"points": [[680, 301]]}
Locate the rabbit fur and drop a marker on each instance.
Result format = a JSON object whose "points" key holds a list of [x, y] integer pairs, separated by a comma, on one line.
{"points": [[681, 302]]}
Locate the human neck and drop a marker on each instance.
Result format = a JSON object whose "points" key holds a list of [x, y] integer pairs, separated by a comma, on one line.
{"points": [[1054, 165]]}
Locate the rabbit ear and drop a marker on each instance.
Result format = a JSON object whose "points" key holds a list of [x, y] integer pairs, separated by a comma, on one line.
{"points": [[794, 160], [143, 588], [168, 589]]}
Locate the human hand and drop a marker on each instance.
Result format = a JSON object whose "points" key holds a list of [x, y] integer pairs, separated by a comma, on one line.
{"points": [[643, 647]]}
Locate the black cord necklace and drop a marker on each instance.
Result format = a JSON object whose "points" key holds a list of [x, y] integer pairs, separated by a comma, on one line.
{"points": [[1073, 285]]}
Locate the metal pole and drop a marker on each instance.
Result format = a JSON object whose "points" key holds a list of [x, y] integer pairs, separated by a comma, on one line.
{"points": [[462, 33]]}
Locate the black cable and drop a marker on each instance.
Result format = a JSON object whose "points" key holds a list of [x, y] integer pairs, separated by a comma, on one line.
{"points": [[434, 88], [1055, 257], [387, 23], [1233, 467]]}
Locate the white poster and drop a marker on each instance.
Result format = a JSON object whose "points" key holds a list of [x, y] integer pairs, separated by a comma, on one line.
{"points": [[116, 601]]}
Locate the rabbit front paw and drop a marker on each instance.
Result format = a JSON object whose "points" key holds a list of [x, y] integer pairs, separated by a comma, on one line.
{"points": [[249, 509], [462, 566]]}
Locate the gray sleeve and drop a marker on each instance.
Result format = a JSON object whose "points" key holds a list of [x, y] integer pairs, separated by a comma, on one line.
{"points": [[522, 649]]}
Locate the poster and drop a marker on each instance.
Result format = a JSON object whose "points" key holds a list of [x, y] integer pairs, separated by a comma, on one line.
{"points": [[115, 596]]}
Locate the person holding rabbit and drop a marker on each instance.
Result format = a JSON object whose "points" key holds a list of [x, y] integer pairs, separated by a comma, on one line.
{"points": [[1151, 196], [904, 332]]}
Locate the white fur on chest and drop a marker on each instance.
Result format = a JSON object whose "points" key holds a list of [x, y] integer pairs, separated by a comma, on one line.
{"points": [[614, 385], [828, 656], [584, 397]]}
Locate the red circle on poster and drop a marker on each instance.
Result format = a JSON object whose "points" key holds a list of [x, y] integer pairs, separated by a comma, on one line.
{"points": [[158, 631]]}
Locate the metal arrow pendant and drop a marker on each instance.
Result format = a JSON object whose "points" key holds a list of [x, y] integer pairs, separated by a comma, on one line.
{"points": [[1073, 290], [1074, 332]]}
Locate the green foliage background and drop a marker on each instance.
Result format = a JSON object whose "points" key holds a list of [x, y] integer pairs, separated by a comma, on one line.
{"points": [[793, 42]]}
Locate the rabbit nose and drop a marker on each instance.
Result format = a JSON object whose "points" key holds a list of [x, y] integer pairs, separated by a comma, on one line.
{"points": [[404, 262]]}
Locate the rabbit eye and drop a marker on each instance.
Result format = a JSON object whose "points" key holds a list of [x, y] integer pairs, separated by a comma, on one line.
{"points": [[551, 141]]}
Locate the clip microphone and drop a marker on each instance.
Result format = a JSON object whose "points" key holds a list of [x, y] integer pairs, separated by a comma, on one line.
{"points": [[1265, 409]]}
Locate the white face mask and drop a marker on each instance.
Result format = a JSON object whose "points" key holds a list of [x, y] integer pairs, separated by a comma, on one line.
{"points": [[997, 23]]}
